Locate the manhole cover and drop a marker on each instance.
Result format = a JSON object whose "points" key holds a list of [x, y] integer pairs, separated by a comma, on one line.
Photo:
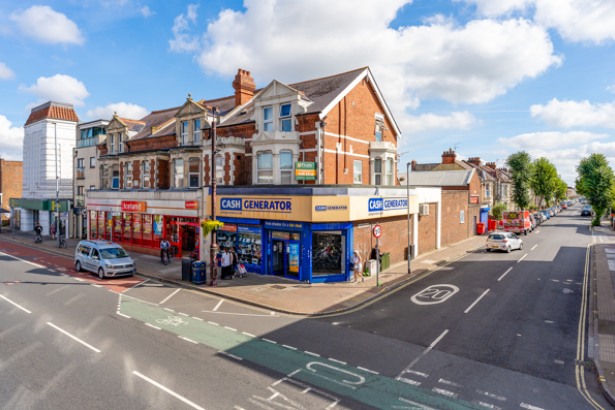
{"points": [[278, 287]]}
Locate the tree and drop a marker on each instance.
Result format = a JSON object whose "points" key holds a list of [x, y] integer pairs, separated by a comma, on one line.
{"points": [[497, 211], [596, 182], [561, 190], [521, 165], [544, 180]]}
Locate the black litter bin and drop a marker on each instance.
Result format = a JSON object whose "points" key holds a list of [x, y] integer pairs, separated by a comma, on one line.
{"points": [[186, 270], [199, 273]]}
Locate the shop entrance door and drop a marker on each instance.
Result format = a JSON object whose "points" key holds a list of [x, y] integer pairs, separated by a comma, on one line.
{"points": [[285, 258], [175, 239], [292, 265], [183, 236], [278, 266]]}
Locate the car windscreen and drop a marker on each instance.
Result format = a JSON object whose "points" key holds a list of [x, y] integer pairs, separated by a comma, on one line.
{"points": [[113, 253], [497, 237]]}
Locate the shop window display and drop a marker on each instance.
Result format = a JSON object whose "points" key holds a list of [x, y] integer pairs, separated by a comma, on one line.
{"points": [[127, 228], [147, 230], [227, 236], [249, 245], [101, 225], [136, 229], [158, 221], [117, 229], [328, 254], [93, 230]]}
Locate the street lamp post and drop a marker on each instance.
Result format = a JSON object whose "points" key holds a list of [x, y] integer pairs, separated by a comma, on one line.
{"points": [[408, 209], [55, 137], [214, 239]]}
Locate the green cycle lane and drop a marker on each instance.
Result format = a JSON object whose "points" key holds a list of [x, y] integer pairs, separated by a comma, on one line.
{"points": [[375, 390]]}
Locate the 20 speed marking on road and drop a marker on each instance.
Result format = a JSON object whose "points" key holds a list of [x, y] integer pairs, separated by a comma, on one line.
{"points": [[434, 294]]}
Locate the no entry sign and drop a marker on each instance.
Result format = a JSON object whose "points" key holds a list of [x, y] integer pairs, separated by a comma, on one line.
{"points": [[377, 231]]}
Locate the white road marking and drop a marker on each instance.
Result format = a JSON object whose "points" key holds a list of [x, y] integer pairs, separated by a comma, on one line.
{"points": [[170, 310], [493, 396], [538, 231], [237, 314], [170, 296], [15, 304], [415, 361], [366, 370], [529, 407], [476, 301], [188, 340], [418, 373], [97, 286], [289, 347], [230, 328], [183, 314], [121, 314], [505, 273], [79, 279], [522, 258], [248, 334], [230, 355], [337, 361], [167, 390], [549, 321], [213, 323], [132, 287], [559, 361], [444, 392], [198, 318], [486, 405], [310, 353], [150, 325], [450, 383], [270, 341], [218, 305], [415, 404], [36, 265], [73, 337], [534, 247], [409, 381]]}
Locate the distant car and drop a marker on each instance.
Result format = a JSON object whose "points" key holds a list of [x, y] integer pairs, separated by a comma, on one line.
{"points": [[104, 258], [540, 218], [533, 221], [587, 211], [564, 205], [546, 214], [503, 241]]}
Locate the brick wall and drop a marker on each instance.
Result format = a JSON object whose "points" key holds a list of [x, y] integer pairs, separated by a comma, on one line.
{"points": [[146, 144], [152, 173], [427, 229], [394, 237], [136, 173], [453, 202], [11, 181], [239, 161], [164, 177]]}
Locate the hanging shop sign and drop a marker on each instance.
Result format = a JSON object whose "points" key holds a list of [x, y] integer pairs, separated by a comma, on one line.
{"points": [[305, 171]]}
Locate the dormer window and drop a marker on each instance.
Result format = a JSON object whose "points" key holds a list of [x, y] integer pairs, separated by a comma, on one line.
{"points": [[184, 133], [112, 142], [268, 119], [120, 141], [197, 132], [286, 122]]}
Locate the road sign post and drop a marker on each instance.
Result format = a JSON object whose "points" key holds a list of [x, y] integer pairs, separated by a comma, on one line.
{"points": [[377, 233]]}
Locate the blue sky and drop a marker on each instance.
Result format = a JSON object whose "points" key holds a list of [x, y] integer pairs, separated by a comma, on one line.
{"points": [[488, 77]]}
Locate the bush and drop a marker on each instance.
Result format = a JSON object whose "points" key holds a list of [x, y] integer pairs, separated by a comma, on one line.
{"points": [[596, 222], [497, 211]]}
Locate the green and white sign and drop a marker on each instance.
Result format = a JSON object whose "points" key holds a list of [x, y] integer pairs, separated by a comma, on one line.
{"points": [[305, 171]]}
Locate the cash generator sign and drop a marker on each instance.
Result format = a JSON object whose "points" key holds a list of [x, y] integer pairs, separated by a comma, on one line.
{"points": [[386, 204], [256, 205]]}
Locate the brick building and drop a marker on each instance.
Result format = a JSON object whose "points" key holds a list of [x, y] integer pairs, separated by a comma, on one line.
{"points": [[303, 171], [11, 177]]}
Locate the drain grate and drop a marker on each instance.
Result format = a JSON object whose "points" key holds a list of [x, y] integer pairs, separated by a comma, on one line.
{"points": [[278, 287]]}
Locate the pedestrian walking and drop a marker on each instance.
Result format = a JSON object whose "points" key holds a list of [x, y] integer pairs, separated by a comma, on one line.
{"points": [[52, 231], [234, 261], [358, 272], [227, 274]]}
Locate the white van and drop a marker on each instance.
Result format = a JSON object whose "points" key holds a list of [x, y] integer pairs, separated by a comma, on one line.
{"points": [[107, 259]]}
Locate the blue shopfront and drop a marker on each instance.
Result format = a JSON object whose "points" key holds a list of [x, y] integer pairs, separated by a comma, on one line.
{"points": [[304, 251]]}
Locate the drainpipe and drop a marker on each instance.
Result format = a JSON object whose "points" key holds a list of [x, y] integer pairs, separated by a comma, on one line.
{"points": [[214, 241]]}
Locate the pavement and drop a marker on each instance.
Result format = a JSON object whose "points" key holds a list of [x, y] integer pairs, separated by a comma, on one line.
{"points": [[281, 294]]}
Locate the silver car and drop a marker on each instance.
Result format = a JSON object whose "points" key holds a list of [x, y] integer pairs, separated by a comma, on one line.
{"points": [[106, 259], [503, 241]]}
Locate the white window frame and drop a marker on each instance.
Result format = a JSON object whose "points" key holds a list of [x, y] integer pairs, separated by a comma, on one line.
{"points": [[390, 171], [120, 141], [270, 121], [146, 174], [197, 173], [184, 132], [462, 216], [286, 117], [196, 132], [92, 162], [258, 169], [354, 175], [378, 174], [286, 170], [219, 172], [378, 132], [92, 187], [176, 174], [128, 175], [112, 142], [113, 178]]}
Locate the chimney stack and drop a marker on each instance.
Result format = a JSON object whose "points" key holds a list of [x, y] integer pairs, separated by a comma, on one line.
{"points": [[448, 157], [474, 160], [244, 87], [413, 165], [491, 165]]}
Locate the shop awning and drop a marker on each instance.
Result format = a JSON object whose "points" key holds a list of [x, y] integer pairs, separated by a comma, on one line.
{"points": [[4, 211]]}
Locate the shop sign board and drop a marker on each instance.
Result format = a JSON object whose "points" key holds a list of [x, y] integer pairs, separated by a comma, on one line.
{"points": [[305, 171], [377, 231], [158, 222], [134, 206], [249, 229], [293, 254], [192, 204], [473, 199], [296, 226], [228, 228]]}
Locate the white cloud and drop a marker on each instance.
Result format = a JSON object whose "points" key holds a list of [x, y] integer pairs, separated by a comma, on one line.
{"points": [[611, 88], [146, 12], [48, 26], [11, 140], [470, 64], [183, 41], [5, 72], [426, 122], [574, 20], [566, 114], [124, 110], [546, 140], [61, 88]]}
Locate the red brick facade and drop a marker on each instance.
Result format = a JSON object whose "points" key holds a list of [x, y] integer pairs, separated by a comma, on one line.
{"points": [[11, 178]]}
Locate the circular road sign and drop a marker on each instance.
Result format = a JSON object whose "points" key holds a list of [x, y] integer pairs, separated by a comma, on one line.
{"points": [[377, 231]]}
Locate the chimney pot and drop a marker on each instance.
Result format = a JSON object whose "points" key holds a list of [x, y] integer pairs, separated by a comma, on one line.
{"points": [[244, 87]]}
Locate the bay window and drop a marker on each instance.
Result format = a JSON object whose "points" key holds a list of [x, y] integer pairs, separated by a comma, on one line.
{"points": [[286, 122], [104, 177], [112, 143], [196, 133], [178, 173], [193, 173], [378, 132], [265, 168], [377, 171], [390, 171], [286, 168], [268, 119]]}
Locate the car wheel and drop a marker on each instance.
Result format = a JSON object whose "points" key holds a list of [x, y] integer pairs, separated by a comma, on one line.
{"points": [[78, 266], [101, 273], [508, 249], [488, 250], [525, 232], [521, 246]]}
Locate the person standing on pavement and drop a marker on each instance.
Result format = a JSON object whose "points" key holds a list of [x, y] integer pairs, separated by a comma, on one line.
{"points": [[234, 261], [52, 231], [358, 273], [226, 265]]}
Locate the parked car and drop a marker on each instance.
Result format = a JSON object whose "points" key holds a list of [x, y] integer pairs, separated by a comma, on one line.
{"points": [[106, 259], [587, 211], [539, 217], [503, 241], [546, 214], [533, 221]]}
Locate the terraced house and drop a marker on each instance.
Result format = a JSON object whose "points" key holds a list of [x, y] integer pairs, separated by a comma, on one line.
{"points": [[303, 171]]}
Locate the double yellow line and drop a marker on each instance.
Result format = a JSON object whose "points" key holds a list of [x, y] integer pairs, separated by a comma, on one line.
{"points": [[579, 368]]}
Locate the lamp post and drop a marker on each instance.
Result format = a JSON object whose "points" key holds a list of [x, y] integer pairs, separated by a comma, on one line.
{"points": [[408, 209], [55, 138], [214, 246]]}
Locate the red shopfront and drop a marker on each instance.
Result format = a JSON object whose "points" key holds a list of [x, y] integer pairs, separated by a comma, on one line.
{"points": [[136, 227]]}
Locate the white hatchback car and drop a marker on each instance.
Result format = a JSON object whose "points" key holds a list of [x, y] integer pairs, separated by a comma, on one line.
{"points": [[503, 241]]}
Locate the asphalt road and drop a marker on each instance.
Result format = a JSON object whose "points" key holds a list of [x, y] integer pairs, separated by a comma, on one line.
{"points": [[71, 341]]}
